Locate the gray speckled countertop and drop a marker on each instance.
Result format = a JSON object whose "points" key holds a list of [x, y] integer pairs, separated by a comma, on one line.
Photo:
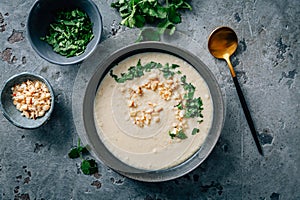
{"points": [[34, 163]]}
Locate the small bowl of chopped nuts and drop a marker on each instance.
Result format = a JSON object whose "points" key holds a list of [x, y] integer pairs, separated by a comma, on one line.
{"points": [[27, 100]]}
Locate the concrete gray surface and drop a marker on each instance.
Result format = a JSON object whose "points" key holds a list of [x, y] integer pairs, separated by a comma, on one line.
{"points": [[34, 163]]}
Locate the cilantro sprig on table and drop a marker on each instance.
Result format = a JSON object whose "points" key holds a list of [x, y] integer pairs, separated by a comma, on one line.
{"points": [[165, 14], [70, 33], [88, 166]]}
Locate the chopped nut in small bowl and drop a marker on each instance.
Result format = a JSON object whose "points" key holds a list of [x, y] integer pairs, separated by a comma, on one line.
{"points": [[27, 100]]}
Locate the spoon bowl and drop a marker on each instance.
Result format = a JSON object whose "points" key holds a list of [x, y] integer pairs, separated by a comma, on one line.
{"points": [[222, 43]]}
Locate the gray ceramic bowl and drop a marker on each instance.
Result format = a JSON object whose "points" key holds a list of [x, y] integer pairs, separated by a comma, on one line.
{"points": [[99, 148], [42, 15], [10, 111]]}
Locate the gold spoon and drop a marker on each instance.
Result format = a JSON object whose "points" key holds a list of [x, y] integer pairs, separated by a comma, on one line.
{"points": [[222, 43]]}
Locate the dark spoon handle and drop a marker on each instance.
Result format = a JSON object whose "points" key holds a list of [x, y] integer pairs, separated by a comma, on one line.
{"points": [[247, 114]]}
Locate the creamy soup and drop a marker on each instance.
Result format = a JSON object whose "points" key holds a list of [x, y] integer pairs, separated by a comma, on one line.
{"points": [[153, 111]]}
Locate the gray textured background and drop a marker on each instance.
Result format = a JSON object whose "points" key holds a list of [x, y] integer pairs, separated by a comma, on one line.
{"points": [[34, 163]]}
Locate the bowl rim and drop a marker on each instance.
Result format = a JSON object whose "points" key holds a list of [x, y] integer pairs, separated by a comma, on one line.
{"points": [[81, 57], [196, 159], [35, 76]]}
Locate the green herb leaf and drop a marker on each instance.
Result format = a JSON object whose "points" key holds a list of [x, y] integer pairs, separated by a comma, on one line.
{"points": [[74, 153], [89, 166], [179, 106], [173, 15], [181, 134], [200, 121], [195, 130], [164, 25]]}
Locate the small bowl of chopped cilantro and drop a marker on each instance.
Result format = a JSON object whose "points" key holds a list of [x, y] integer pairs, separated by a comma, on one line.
{"points": [[64, 32], [27, 100]]}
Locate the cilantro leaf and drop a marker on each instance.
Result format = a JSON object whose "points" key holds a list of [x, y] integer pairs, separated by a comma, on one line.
{"points": [[89, 166], [173, 15], [200, 121], [195, 130], [179, 106], [181, 134], [76, 152]]}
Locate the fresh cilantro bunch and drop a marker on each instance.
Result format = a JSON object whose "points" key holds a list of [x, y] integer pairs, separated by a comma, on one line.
{"points": [[165, 14], [88, 166]]}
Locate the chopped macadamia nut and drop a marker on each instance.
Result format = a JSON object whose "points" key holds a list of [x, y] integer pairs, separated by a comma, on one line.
{"points": [[32, 98]]}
